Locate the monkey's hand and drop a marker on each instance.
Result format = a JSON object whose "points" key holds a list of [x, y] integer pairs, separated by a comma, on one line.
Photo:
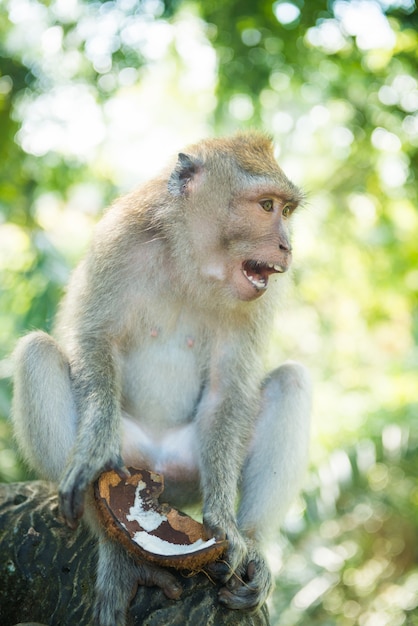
{"points": [[237, 548], [250, 584], [245, 571], [76, 479]]}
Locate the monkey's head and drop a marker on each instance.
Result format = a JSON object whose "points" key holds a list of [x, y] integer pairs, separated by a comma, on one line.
{"points": [[236, 204]]}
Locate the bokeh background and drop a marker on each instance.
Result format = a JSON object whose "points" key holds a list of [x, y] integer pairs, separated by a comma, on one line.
{"points": [[95, 96]]}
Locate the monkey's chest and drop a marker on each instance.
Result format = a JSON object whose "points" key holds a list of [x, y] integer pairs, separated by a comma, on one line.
{"points": [[162, 379]]}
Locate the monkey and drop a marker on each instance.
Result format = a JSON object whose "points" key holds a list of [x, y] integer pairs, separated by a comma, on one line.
{"points": [[156, 361]]}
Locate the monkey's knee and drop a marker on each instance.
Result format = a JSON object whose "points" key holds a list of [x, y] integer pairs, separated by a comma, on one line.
{"points": [[34, 351], [43, 409], [290, 379]]}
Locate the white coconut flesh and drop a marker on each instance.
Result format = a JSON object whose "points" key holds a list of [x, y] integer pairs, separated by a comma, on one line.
{"points": [[150, 520], [155, 545]]}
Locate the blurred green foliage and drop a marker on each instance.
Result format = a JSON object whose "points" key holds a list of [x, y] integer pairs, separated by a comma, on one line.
{"points": [[336, 84], [354, 559]]}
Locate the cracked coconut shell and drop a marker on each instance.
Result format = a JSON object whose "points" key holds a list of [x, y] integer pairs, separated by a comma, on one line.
{"points": [[131, 514]]}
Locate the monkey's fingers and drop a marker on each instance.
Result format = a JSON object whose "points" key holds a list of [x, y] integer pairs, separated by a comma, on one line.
{"points": [[238, 594], [119, 467], [71, 505], [152, 575], [236, 556], [71, 497], [123, 472], [248, 592], [214, 531], [220, 570], [241, 598]]}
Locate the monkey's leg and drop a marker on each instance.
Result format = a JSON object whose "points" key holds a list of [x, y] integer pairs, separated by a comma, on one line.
{"points": [[278, 454], [43, 410], [271, 476]]}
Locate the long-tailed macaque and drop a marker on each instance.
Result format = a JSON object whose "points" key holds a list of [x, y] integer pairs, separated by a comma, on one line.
{"points": [[156, 362]]}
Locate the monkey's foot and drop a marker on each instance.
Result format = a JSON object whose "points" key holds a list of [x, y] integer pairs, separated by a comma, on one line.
{"points": [[118, 577], [111, 605], [249, 588]]}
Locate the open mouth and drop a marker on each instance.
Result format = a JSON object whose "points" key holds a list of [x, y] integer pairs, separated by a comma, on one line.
{"points": [[258, 272]]}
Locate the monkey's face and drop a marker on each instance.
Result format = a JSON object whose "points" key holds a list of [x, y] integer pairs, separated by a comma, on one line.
{"points": [[248, 243], [261, 246]]}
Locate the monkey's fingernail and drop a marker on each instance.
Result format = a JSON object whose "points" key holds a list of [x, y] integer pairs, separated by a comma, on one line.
{"points": [[174, 592], [123, 472], [215, 531], [251, 569], [71, 523]]}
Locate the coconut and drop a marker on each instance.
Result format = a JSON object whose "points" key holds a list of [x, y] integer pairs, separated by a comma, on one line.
{"points": [[132, 514]]}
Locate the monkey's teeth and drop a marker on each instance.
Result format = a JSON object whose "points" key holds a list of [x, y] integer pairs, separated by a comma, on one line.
{"points": [[258, 284], [275, 267]]}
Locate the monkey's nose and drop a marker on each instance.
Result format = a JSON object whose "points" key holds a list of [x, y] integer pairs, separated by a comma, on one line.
{"points": [[285, 247]]}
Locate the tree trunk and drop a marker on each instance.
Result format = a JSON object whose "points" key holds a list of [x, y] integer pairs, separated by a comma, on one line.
{"points": [[47, 573]]}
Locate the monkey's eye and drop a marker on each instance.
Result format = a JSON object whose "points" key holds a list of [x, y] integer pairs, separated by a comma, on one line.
{"points": [[287, 210], [268, 205]]}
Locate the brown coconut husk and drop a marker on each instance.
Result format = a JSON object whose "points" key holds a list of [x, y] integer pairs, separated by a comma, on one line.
{"points": [[115, 498]]}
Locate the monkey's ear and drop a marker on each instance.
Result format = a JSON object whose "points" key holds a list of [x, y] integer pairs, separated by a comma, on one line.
{"points": [[185, 171]]}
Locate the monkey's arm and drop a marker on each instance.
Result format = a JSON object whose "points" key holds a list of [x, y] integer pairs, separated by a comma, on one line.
{"points": [[226, 420], [95, 381]]}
